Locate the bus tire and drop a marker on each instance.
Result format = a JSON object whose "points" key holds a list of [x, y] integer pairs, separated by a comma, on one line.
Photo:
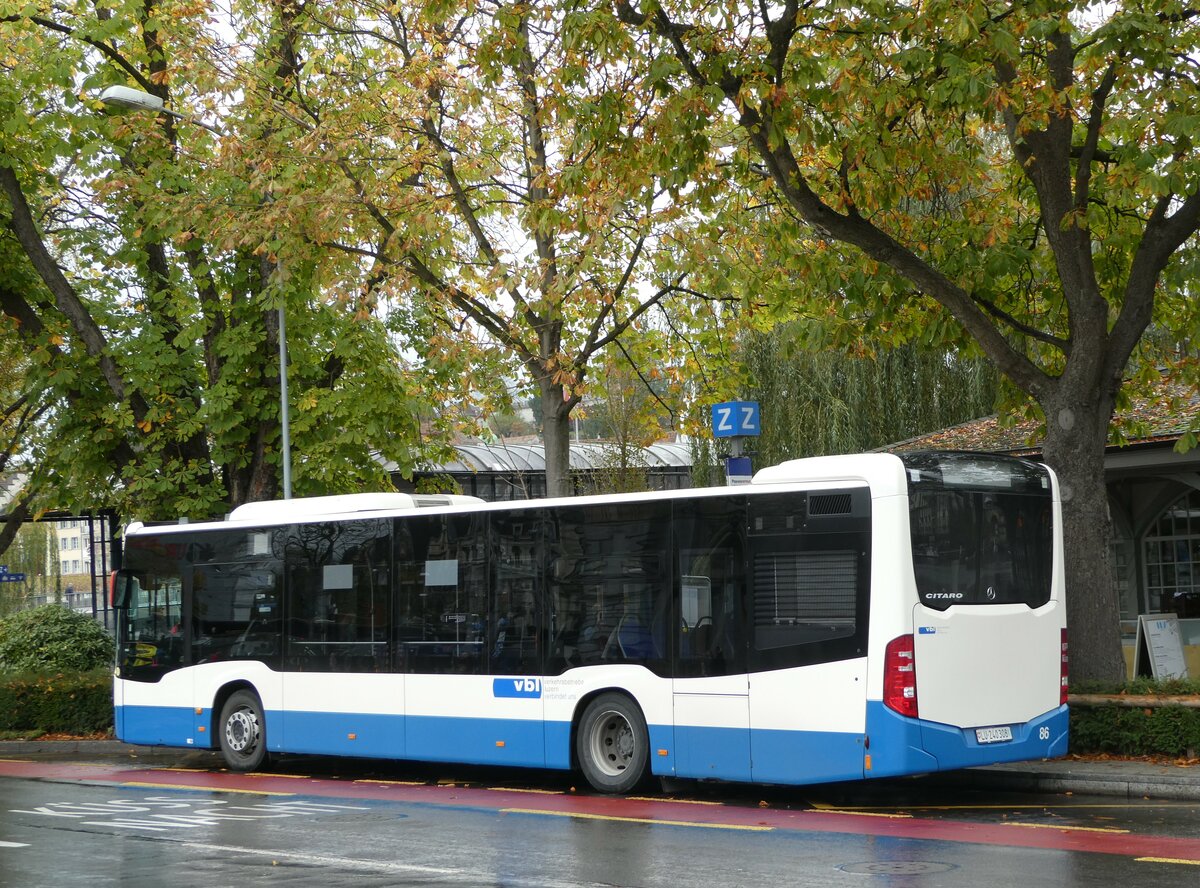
{"points": [[612, 744], [243, 732]]}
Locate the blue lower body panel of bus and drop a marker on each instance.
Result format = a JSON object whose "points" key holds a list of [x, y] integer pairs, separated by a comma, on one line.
{"points": [[893, 745], [162, 725], [899, 745]]}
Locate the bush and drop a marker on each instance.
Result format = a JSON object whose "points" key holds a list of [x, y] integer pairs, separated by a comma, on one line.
{"points": [[1139, 685], [1122, 730], [52, 638], [66, 704]]}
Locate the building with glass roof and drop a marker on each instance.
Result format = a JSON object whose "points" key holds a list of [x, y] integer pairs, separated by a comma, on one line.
{"points": [[508, 470]]}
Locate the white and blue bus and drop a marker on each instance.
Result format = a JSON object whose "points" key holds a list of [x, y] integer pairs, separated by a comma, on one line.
{"points": [[838, 618]]}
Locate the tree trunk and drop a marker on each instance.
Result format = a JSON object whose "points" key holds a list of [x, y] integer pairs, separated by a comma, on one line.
{"points": [[18, 514], [1076, 436], [556, 437]]}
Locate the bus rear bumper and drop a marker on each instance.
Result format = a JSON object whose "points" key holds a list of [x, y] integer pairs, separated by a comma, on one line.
{"points": [[900, 745]]}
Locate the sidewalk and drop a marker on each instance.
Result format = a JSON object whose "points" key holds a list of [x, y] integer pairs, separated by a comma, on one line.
{"points": [[1124, 779], [68, 747]]}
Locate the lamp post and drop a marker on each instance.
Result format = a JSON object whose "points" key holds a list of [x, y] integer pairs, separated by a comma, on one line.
{"points": [[125, 98]]}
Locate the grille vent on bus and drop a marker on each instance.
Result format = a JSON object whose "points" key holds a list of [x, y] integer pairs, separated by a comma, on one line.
{"points": [[829, 504]]}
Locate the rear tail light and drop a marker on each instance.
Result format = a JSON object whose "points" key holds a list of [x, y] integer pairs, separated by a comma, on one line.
{"points": [[1063, 671], [112, 589], [900, 676]]}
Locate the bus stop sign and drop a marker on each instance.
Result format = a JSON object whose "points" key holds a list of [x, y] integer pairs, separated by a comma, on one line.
{"points": [[734, 419]]}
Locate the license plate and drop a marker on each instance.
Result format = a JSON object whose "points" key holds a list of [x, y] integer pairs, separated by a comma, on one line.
{"points": [[993, 735]]}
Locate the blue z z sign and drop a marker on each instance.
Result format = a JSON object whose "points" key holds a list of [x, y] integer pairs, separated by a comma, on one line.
{"points": [[734, 419]]}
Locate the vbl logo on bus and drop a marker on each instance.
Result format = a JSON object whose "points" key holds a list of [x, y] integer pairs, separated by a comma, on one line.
{"points": [[528, 688]]}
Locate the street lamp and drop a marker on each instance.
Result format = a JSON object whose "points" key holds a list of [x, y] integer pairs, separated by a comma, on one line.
{"points": [[125, 98]]}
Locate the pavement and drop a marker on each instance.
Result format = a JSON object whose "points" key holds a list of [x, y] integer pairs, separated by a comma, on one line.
{"points": [[1122, 778], [1107, 777]]}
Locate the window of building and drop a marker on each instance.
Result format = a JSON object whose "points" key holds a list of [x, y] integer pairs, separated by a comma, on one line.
{"points": [[1172, 559]]}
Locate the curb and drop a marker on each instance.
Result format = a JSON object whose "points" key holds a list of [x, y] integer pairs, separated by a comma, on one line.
{"points": [[68, 747], [1127, 780], [1141, 784]]}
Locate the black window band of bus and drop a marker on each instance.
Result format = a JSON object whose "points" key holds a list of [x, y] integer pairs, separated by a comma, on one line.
{"points": [[578, 585]]}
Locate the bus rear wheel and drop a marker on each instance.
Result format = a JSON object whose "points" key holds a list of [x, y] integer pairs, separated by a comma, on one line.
{"points": [[612, 744], [243, 732]]}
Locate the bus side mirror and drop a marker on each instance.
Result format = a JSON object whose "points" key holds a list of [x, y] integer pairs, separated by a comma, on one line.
{"points": [[120, 582]]}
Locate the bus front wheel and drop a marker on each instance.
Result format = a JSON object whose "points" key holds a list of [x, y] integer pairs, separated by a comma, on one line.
{"points": [[612, 744], [243, 732]]}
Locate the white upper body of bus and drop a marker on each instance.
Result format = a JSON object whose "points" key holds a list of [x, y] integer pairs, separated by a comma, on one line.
{"points": [[883, 473]]}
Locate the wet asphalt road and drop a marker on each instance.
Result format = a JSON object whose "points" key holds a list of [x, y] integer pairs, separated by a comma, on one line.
{"points": [[176, 819]]}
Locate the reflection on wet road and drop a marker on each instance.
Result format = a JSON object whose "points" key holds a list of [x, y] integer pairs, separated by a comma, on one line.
{"points": [[92, 822]]}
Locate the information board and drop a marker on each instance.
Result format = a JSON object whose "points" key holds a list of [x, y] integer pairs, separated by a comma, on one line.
{"points": [[1159, 650]]}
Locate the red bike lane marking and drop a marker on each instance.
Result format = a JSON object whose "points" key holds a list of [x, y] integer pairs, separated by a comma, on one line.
{"points": [[647, 811]]}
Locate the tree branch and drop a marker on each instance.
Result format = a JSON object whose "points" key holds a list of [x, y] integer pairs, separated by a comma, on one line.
{"points": [[105, 49], [645, 382], [1163, 236], [1083, 171], [64, 294]]}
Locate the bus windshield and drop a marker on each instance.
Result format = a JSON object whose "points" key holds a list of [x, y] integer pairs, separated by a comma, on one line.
{"points": [[149, 617], [981, 529]]}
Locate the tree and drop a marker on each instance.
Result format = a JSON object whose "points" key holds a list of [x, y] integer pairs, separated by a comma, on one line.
{"points": [[1022, 175], [143, 261], [34, 552], [495, 165], [628, 414], [21, 407], [817, 403]]}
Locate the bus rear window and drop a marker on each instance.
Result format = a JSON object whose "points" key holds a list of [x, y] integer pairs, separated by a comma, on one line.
{"points": [[987, 545]]}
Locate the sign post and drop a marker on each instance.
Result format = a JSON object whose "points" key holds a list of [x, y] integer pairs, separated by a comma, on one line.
{"points": [[735, 421], [1159, 647]]}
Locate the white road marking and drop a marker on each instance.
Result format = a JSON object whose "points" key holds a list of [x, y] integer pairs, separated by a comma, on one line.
{"points": [[433, 873], [13, 845], [380, 866]]}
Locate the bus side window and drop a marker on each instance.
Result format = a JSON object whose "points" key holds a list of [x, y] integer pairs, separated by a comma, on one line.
{"points": [[515, 631], [609, 585], [339, 597], [442, 606], [809, 574], [711, 546]]}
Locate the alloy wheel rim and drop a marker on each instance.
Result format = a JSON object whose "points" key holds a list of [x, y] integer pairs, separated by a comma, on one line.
{"points": [[613, 744], [241, 730]]}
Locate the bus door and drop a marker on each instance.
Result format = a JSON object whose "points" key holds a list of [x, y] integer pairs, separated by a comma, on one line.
{"points": [[809, 569], [711, 688], [339, 694]]}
